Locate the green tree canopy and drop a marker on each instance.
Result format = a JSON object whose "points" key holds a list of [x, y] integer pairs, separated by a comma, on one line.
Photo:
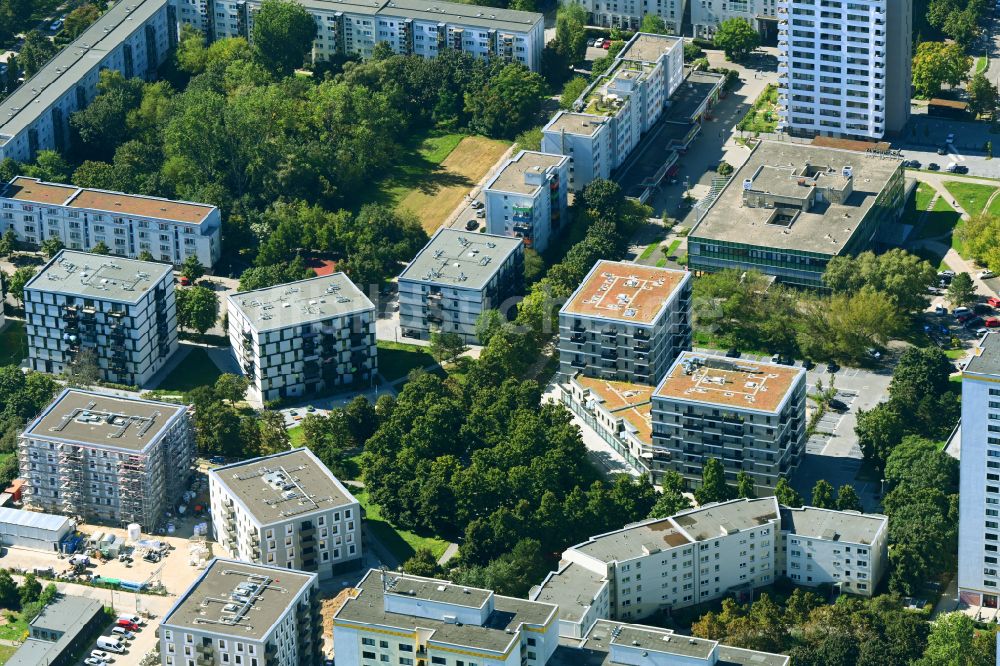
{"points": [[822, 495], [283, 33], [36, 51], [787, 495], [713, 484], [938, 63], [80, 19], [197, 308], [961, 291], [847, 499], [737, 38]]}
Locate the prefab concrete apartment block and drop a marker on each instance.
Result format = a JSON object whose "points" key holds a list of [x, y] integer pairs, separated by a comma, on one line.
{"points": [[304, 337], [121, 311], [527, 198]]}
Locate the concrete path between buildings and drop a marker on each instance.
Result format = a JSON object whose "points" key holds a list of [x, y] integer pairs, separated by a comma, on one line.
{"points": [[449, 552]]}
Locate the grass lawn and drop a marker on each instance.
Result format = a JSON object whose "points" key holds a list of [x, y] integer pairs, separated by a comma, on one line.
{"points": [[970, 196], [981, 64], [994, 208], [197, 369], [763, 117], [942, 220], [400, 543], [14, 631], [954, 354], [6, 652], [13, 343], [650, 249], [676, 243], [396, 359]]}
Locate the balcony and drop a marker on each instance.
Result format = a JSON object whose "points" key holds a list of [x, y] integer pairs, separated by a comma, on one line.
{"points": [[611, 354], [578, 338]]}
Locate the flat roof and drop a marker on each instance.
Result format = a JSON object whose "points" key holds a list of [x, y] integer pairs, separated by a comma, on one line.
{"points": [[96, 419], [584, 124], [986, 356], [34, 519], [826, 230], [368, 607], [284, 486], [70, 65], [624, 292], [848, 526], [24, 188], [660, 640], [733, 656], [631, 402], [203, 606], [512, 175], [302, 302], [714, 520], [651, 536], [728, 382], [691, 94], [572, 588], [65, 614], [102, 277], [461, 259], [647, 47]]}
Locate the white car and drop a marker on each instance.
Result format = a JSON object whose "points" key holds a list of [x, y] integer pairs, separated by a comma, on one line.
{"points": [[133, 618], [91, 661], [124, 633], [987, 274], [100, 654]]}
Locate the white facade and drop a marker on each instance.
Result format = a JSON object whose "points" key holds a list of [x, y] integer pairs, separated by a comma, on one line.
{"points": [[33, 530], [107, 459], [844, 68], [614, 113], [408, 26], [707, 15], [979, 478], [628, 14], [399, 619], [527, 198], [122, 310], [303, 337], [286, 510], [842, 548], [133, 38], [454, 278], [239, 613], [128, 224]]}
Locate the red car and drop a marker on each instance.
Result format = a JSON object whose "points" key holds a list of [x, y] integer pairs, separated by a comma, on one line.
{"points": [[991, 322], [993, 302], [606, 45], [184, 281], [127, 624]]}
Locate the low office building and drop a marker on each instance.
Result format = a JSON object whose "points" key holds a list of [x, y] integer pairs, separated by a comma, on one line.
{"points": [[979, 478], [792, 207], [34, 530], [612, 643], [527, 198], [399, 619], [303, 337], [761, 15], [107, 459], [240, 613], [455, 278], [621, 413], [129, 224], [353, 28], [625, 322], [286, 510], [846, 549], [58, 635], [629, 99], [133, 38], [628, 14], [750, 416], [119, 312]]}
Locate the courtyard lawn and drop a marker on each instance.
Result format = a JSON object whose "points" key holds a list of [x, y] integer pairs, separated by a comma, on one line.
{"points": [[981, 64], [396, 359], [763, 116], [650, 249], [970, 196], [13, 343], [941, 220], [197, 369], [401, 543]]}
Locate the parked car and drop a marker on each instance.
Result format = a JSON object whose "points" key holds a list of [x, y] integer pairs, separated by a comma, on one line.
{"points": [[980, 332], [913, 164], [606, 45], [217, 460], [184, 281], [837, 405], [951, 168], [942, 150], [598, 43], [591, 42], [992, 322], [961, 168], [974, 322], [986, 274], [832, 367], [993, 302], [476, 205], [874, 353], [733, 353], [947, 273], [471, 225], [100, 654], [93, 661], [134, 619], [111, 643], [933, 166], [123, 633], [776, 358], [56, 25], [940, 310], [310, 408], [808, 364], [958, 312]]}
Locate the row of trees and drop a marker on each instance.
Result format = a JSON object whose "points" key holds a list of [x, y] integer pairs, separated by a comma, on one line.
{"points": [[29, 597], [872, 297], [22, 396], [979, 235]]}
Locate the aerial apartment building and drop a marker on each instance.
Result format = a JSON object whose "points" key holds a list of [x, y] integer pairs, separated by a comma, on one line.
{"points": [[979, 478], [717, 550], [120, 310], [354, 27], [107, 459], [625, 322], [249, 614], [303, 337], [762, 15], [527, 198], [748, 415], [129, 224], [846, 549], [628, 99], [628, 14], [402, 619], [455, 278], [844, 67], [792, 207], [286, 510], [132, 37]]}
